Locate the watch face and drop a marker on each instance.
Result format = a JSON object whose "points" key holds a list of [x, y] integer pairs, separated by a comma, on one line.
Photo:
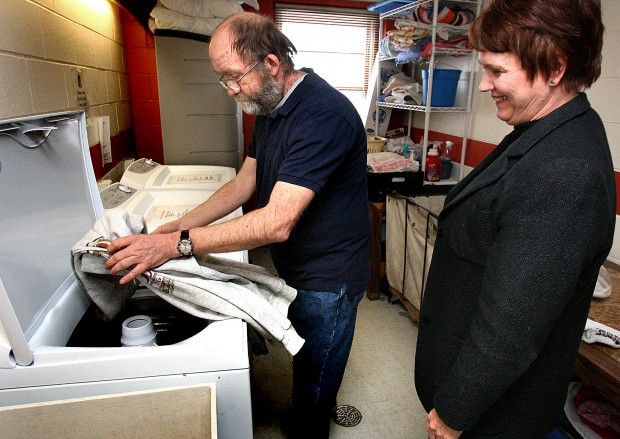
{"points": [[185, 247]]}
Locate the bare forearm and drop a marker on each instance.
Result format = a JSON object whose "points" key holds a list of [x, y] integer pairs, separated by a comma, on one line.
{"points": [[251, 230], [273, 223]]}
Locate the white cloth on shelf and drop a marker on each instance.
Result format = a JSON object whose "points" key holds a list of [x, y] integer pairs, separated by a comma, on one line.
{"points": [[163, 18], [396, 165], [382, 156], [405, 94], [204, 8], [208, 287], [195, 16]]}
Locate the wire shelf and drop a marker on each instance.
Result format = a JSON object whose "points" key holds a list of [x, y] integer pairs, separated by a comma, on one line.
{"points": [[423, 108], [405, 10]]}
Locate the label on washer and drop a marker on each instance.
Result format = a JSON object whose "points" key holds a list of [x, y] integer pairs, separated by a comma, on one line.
{"points": [[194, 178], [169, 213]]}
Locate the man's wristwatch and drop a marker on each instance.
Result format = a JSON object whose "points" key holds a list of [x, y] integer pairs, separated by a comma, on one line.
{"points": [[185, 245]]}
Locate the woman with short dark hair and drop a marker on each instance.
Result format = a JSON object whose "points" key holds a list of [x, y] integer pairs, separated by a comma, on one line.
{"points": [[521, 239]]}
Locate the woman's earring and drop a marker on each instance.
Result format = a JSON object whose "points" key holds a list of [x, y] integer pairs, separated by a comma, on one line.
{"points": [[552, 81]]}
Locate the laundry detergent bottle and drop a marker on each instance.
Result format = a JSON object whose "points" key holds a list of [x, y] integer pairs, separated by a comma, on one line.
{"points": [[433, 166]]}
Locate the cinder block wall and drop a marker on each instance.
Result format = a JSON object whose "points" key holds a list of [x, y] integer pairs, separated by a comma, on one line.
{"points": [[46, 45]]}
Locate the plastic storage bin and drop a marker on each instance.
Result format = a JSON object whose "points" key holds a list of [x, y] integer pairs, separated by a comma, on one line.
{"points": [[445, 83]]}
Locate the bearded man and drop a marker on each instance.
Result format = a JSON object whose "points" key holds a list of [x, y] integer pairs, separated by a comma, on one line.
{"points": [[306, 164]]}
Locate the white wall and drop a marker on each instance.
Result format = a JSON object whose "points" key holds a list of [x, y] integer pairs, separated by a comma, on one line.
{"points": [[43, 46], [604, 97]]}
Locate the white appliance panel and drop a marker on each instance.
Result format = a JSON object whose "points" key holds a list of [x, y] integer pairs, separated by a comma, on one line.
{"points": [[145, 174]]}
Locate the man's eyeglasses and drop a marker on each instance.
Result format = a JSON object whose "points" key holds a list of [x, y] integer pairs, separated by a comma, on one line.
{"points": [[234, 84]]}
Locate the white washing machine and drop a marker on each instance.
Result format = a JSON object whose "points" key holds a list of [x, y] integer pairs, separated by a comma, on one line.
{"points": [[166, 204], [146, 174], [51, 346]]}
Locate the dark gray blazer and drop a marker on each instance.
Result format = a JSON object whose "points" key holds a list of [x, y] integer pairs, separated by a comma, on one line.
{"points": [[519, 246]]}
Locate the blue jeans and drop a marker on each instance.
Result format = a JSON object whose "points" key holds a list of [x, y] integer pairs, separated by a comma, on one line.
{"points": [[326, 320]]}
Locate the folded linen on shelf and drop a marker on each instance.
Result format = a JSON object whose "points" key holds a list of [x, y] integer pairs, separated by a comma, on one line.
{"points": [[207, 287], [459, 42], [195, 16], [164, 18], [382, 156], [207, 8], [394, 165], [404, 94], [446, 14], [398, 80], [444, 31]]}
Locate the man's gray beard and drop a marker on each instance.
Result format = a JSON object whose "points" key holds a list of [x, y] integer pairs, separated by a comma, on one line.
{"points": [[268, 98]]}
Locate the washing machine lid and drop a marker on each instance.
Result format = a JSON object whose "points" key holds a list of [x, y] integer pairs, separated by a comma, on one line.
{"points": [[49, 199], [145, 174]]}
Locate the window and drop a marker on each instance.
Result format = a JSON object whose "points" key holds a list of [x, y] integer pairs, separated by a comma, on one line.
{"points": [[338, 44]]}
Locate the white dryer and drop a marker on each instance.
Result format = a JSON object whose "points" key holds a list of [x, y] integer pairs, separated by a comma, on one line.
{"points": [[51, 348], [146, 174], [158, 207]]}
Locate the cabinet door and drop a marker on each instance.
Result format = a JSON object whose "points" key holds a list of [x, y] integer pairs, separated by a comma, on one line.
{"points": [[200, 122]]}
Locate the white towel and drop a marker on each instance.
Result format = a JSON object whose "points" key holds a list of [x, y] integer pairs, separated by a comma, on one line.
{"points": [[195, 16], [204, 8], [602, 290], [208, 287], [163, 18], [597, 332]]}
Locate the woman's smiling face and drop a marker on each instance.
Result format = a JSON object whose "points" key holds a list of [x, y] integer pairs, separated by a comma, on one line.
{"points": [[517, 99]]}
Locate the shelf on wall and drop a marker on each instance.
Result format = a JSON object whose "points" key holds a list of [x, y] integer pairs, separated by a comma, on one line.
{"points": [[423, 108], [468, 54], [405, 10]]}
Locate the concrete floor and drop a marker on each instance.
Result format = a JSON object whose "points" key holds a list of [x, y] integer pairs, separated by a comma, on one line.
{"points": [[378, 380]]}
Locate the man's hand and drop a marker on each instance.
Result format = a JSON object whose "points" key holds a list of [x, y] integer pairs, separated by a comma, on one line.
{"points": [[437, 429], [138, 253]]}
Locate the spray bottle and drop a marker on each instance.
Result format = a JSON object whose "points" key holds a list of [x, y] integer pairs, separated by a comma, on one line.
{"points": [[446, 161]]}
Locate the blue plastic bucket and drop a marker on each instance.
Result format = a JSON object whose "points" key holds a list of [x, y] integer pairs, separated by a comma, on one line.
{"points": [[445, 82]]}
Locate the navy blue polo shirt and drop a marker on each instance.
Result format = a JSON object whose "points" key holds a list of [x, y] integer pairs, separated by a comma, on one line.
{"points": [[316, 139]]}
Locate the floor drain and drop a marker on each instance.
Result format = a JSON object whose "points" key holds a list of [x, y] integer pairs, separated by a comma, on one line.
{"points": [[347, 416]]}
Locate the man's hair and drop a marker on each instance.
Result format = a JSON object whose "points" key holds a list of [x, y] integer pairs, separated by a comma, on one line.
{"points": [[254, 36], [542, 33]]}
